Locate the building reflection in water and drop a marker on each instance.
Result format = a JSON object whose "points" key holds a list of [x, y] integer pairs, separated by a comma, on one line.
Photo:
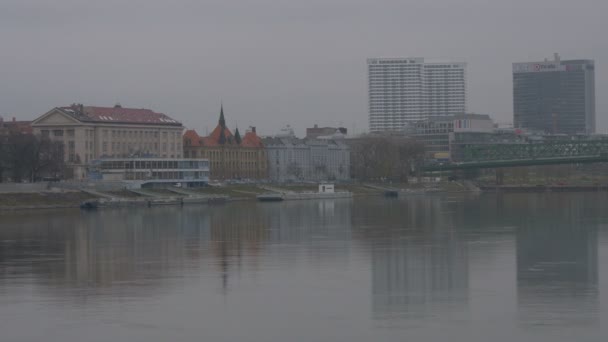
{"points": [[557, 262], [419, 262], [236, 232], [417, 249], [139, 251]]}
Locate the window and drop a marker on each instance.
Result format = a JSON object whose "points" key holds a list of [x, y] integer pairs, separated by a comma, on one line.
{"points": [[104, 147], [44, 133], [58, 132], [70, 133]]}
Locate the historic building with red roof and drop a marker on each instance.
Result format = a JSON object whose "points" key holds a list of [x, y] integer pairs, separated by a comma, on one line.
{"points": [[230, 155], [89, 133], [14, 127]]}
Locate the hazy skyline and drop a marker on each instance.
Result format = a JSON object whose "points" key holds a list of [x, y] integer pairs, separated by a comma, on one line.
{"points": [[274, 62]]}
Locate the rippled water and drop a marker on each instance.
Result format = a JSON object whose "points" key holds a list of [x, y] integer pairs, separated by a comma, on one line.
{"points": [[430, 268]]}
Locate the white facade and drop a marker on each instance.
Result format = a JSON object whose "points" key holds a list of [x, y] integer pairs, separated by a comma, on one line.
{"points": [[473, 123], [402, 90], [326, 188], [292, 159]]}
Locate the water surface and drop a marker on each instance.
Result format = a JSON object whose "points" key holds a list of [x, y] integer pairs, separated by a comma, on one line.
{"points": [[517, 267]]}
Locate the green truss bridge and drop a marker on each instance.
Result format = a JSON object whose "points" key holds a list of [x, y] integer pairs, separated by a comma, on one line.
{"points": [[487, 156]]}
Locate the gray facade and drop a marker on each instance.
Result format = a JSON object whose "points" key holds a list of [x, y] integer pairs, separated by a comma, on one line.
{"points": [[293, 159], [434, 132], [555, 97]]}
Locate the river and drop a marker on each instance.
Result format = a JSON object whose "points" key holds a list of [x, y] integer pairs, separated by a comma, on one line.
{"points": [[513, 267]]}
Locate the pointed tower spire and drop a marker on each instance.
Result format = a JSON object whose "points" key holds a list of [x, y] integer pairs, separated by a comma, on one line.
{"points": [[222, 138], [237, 136], [222, 121]]}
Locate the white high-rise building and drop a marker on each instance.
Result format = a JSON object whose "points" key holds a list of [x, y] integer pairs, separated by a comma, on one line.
{"points": [[403, 90]]}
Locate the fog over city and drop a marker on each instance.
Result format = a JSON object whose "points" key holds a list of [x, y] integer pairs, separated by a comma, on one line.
{"points": [[275, 62]]}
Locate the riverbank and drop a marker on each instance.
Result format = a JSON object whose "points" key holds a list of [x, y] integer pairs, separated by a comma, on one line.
{"points": [[53, 198], [544, 188], [43, 200]]}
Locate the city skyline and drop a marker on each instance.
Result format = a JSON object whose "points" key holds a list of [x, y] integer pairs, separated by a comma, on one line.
{"points": [[266, 77]]}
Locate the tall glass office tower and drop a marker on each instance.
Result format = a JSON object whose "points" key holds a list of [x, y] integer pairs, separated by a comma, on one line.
{"points": [[555, 97]]}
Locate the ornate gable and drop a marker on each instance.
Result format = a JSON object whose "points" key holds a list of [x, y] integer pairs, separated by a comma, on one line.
{"points": [[55, 117]]}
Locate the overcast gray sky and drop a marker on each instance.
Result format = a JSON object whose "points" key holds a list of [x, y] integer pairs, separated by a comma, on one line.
{"points": [[276, 62]]}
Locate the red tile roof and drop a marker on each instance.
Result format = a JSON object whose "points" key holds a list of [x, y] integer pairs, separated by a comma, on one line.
{"points": [[118, 114], [191, 138], [252, 140], [214, 138], [22, 127]]}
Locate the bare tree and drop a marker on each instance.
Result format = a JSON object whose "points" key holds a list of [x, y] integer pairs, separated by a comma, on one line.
{"points": [[320, 169], [375, 157], [293, 169], [48, 159], [30, 157], [3, 158]]}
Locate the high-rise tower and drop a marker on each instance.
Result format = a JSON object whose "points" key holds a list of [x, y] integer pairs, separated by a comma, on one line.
{"points": [[403, 90], [555, 96]]}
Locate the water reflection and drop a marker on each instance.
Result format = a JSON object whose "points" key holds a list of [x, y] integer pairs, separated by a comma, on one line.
{"points": [[92, 253], [432, 260], [557, 263], [415, 276], [142, 248], [419, 263]]}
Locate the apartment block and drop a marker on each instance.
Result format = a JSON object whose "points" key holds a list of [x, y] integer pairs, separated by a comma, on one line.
{"points": [[405, 90]]}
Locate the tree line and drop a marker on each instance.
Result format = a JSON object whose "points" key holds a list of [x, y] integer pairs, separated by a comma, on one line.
{"points": [[27, 157], [379, 157]]}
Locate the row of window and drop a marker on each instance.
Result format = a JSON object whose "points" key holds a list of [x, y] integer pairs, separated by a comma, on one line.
{"points": [[215, 154], [177, 175], [216, 164], [153, 164], [130, 134], [431, 93], [141, 134]]}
